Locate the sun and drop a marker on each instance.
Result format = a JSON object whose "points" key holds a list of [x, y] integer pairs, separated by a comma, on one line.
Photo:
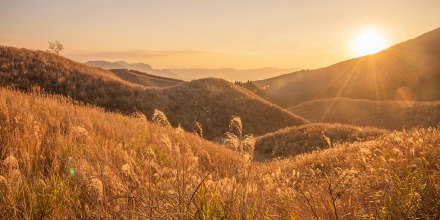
{"points": [[369, 41]]}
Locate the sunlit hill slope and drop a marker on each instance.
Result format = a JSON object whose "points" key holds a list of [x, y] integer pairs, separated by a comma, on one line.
{"points": [[406, 71], [393, 115]]}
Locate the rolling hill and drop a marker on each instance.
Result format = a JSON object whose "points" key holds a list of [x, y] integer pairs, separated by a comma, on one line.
{"points": [[61, 159], [406, 71], [211, 102], [145, 79], [307, 138], [392, 115]]}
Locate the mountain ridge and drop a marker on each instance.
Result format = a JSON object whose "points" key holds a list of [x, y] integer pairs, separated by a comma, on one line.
{"points": [[406, 71]]}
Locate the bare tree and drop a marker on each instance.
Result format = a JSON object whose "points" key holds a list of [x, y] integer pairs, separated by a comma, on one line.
{"points": [[55, 47]]}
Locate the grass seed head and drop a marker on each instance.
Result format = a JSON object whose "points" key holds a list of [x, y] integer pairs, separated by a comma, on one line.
{"points": [[10, 162]]}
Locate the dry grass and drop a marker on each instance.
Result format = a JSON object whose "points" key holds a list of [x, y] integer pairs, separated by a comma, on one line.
{"points": [[392, 115], [307, 138], [394, 177], [78, 161], [61, 159], [211, 102]]}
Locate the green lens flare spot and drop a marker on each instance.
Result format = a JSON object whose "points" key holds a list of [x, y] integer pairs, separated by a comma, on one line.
{"points": [[72, 171]]}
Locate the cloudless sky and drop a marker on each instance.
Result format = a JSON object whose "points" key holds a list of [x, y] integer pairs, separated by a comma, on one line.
{"points": [[212, 33]]}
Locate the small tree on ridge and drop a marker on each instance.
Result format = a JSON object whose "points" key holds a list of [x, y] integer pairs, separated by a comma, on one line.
{"points": [[55, 47]]}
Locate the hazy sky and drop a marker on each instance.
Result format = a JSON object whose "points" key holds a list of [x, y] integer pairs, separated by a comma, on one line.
{"points": [[212, 33]]}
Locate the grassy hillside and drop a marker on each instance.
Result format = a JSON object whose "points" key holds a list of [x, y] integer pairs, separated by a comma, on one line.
{"points": [[407, 71], [211, 102], [307, 138], [393, 177], [64, 160], [145, 79], [391, 115], [61, 159]]}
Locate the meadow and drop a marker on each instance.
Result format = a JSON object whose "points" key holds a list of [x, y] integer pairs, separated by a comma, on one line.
{"points": [[62, 158]]}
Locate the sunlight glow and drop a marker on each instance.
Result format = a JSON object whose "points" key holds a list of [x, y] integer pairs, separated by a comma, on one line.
{"points": [[368, 42]]}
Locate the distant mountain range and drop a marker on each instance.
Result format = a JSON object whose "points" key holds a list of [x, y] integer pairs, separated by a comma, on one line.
{"points": [[406, 71], [229, 74]]}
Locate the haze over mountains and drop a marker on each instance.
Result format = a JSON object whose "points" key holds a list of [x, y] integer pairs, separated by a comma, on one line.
{"points": [[187, 74], [406, 71]]}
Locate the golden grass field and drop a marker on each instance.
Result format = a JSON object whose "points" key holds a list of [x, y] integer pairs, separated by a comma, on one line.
{"points": [[64, 159]]}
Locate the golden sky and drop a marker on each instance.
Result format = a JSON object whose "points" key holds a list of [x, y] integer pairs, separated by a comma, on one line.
{"points": [[212, 33]]}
